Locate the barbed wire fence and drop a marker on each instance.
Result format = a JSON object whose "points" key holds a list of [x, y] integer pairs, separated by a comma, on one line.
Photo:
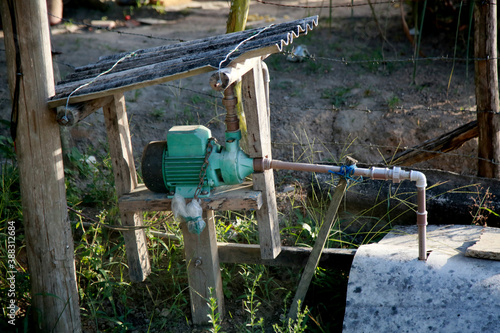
{"points": [[345, 60]]}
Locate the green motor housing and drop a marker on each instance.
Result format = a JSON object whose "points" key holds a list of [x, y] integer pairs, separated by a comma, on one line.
{"points": [[174, 166]]}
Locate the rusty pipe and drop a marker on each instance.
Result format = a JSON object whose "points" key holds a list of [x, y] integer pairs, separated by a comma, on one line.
{"points": [[395, 174], [230, 101]]}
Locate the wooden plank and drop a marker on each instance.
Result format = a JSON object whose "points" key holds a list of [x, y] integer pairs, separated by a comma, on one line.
{"points": [[235, 197], [290, 256], [239, 42], [77, 112], [106, 90], [222, 79], [259, 145], [165, 63], [486, 80], [255, 105], [202, 260], [120, 148], [319, 244], [49, 241], [434, 147]]}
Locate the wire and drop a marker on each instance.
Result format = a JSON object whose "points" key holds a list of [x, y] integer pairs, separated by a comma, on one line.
{"points": [[374, 146], [347, 5], [241, 43], [116, 31], [117, 228], [128, 55], [353, 4]]}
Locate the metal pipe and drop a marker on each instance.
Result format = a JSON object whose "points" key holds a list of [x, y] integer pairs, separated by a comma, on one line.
{"points": [[230, 101], [395, 174]]}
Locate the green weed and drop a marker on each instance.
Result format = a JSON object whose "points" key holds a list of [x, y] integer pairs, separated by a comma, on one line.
{"points": [[290, 325], [158, 113], [134, 96], [393, 103], [338, 96], [214, 315]]}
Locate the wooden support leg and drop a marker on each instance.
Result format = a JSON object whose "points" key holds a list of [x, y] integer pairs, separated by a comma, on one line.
{"points": [[120, 148], [202, 259], [259, 142], [313, 260]]}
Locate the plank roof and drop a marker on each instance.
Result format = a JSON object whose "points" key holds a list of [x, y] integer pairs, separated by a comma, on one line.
{"points": [[132, 70]]}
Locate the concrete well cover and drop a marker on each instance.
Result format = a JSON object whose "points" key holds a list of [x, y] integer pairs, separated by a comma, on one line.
{"points": [[390, 290]]}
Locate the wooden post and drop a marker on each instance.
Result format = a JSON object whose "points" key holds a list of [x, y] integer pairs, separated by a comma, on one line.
{"points": [[120, 148], [259, 145], [49, 242], [486, 79], [202, 260]]}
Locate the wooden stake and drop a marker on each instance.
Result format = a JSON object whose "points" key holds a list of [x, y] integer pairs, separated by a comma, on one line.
{"points": [[49, 242], [486, 79], [312, 263], [202, 259], [120, 148]]}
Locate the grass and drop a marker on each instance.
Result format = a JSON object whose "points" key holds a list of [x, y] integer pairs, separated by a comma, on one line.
{"points": [[258, 296], [110, 303]]}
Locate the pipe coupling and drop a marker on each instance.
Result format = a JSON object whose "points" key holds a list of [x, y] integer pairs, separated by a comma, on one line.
{"points": [[422, 218]]}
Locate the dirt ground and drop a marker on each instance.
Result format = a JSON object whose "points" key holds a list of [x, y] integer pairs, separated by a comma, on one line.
{"points": [[320, 110], [339, 103]]}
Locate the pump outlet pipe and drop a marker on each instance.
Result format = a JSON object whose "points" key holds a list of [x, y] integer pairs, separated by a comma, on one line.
{"points": [[395, 174]]}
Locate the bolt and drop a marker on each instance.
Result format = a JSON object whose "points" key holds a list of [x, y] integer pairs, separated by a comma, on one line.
{"points": [[197, 262], [204, 192]]}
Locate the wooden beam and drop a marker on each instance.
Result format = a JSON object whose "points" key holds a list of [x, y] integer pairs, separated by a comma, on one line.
{"points": [[290, 256], [120, 148], [486, 80], [77, 112], [434, 147], [259, 145], [49, 242], [234, 197], [202, 260]]}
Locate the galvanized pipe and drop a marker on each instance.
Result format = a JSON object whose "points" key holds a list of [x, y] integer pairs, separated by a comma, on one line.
{"points": [[395, 174]]}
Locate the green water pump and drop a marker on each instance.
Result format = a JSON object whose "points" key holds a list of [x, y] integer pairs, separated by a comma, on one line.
{"points": [[190, 162]]}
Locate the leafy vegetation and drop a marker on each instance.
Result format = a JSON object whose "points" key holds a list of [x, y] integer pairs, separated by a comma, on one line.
{"points": [[258, 296]]}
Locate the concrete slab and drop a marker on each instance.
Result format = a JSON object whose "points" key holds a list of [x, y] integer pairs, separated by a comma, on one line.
{"points": [[488, 246], [390, 290]]}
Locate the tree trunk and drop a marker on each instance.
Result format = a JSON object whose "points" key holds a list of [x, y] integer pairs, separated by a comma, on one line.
{"points": [[237, 21]]}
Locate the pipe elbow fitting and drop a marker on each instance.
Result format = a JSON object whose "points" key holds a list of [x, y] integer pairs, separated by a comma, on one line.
{"points": [[419, 178]]}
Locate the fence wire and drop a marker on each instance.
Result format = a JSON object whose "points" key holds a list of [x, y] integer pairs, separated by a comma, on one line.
{"points": [[342, 60], [352, 3]]}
